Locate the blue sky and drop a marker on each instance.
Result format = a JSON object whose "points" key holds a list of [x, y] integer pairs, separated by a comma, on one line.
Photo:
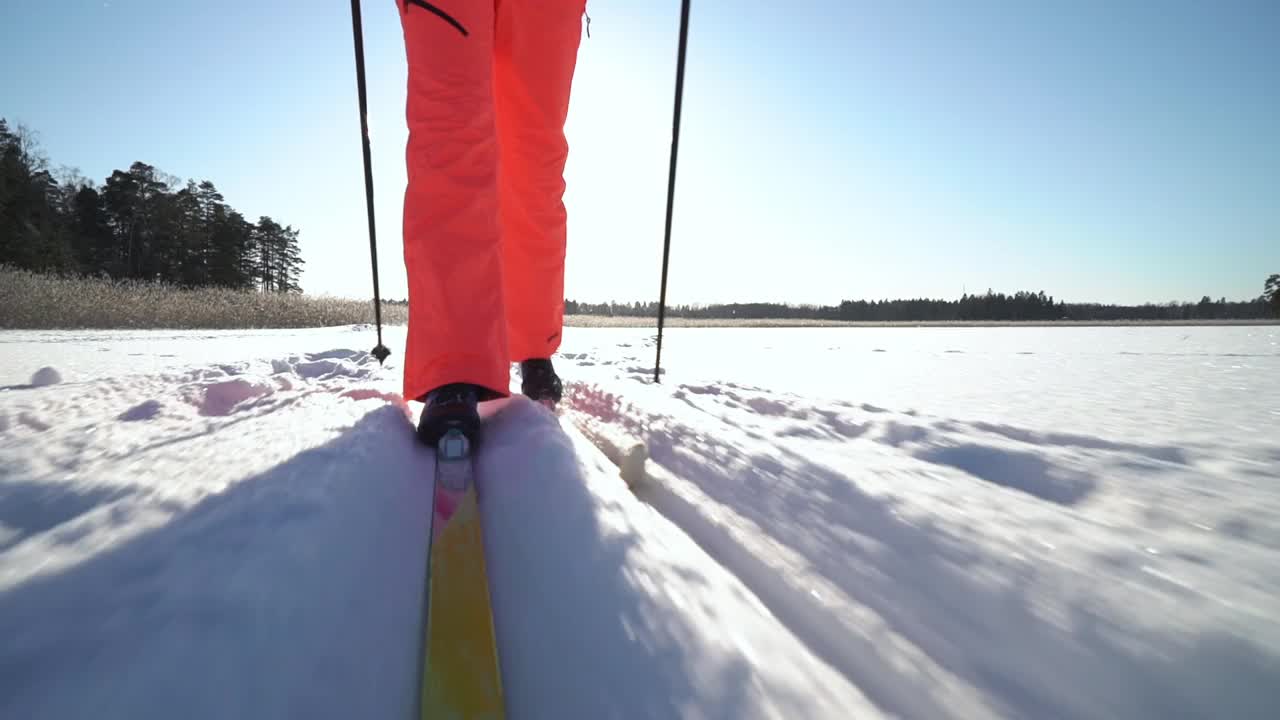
{"points": [[831, 149]]}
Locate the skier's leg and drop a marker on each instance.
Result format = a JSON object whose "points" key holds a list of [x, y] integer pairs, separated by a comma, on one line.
{"points": [[452, 247], [536, 52]]}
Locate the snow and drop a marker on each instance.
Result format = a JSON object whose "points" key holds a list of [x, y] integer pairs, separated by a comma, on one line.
{"points": [[830, 523], [612, 611]]}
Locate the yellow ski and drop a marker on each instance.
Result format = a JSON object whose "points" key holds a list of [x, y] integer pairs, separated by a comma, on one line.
{"points": [[461, 676]]}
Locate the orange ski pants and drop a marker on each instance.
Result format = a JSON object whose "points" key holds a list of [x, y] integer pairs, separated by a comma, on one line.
{"points": [[484, 221]]}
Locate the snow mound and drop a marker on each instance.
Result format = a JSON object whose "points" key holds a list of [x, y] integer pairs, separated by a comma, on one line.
{"points": [[339, 354], [317, 369], [146, 410], [1027, 471], [45, 377], [360, 394], [33, 421], [221, 398], [328, 365], [221, 389]]}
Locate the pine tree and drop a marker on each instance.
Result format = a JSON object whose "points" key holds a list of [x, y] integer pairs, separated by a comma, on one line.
{"points": [[290, 261], [33, 234]]}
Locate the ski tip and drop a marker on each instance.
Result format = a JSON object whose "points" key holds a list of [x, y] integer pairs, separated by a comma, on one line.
{"points": [[632, 464]]}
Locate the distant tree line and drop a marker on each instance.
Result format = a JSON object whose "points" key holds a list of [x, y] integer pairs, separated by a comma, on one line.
{"points": [[139, 224], [990, 306]]}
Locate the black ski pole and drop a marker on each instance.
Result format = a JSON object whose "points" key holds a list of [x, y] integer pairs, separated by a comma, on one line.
{"points": [[671, 182], [380, 351]]}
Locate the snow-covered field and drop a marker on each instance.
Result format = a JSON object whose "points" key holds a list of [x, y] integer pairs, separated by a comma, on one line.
{"points": [[834, 523]]}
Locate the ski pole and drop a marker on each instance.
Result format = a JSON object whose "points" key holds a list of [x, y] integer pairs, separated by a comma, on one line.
{"points": [[671, 182], [380, 351]]}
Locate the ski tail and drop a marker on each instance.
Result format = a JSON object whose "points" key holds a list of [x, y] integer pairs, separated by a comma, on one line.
{"points": [[461, 675]]}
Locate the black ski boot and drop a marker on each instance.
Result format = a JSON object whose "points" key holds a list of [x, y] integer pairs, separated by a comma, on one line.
{"points": [[539, 382], [448, 407]]}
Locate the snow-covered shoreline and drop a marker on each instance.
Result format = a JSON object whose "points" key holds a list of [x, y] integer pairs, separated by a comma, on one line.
{"points": [[625, 321]]}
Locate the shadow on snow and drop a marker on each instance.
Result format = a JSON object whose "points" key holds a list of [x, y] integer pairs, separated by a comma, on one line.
{"points": [[297, 593]]}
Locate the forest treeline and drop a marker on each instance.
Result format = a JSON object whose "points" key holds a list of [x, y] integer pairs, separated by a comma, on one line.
{"points": [[991, 306], [140, 224]]}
